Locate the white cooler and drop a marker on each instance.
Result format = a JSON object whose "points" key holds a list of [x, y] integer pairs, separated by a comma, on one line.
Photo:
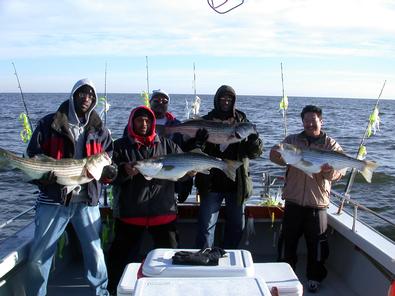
{"points": [[280, 275], [236, 263], [218, 286], [128, 280], [232, 269]]}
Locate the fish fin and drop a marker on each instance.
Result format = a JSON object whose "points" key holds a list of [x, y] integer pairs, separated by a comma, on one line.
{"points": [[76, 188], [43, 157], [238, 135], [367, 171], [149, 168], [223, 147], [231, 167], [343, 171], [198, 150], [306, 163], [168, 167]]}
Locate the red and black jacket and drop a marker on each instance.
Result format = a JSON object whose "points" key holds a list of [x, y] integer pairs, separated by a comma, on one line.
{"points": [[53, 138]]}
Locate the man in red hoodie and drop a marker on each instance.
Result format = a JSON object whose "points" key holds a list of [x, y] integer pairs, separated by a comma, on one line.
{"points": [[142, 204]]}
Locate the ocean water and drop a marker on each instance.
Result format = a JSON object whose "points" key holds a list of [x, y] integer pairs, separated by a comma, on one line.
{"points": [[344, 119]]}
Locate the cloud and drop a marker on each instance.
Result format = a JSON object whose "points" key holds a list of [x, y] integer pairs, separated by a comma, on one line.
{"points": [[135, 28]]}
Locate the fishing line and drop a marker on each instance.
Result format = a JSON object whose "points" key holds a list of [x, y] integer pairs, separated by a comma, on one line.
{"points": [[146, 66], [25, 118], [362, 150], [284, 102]]}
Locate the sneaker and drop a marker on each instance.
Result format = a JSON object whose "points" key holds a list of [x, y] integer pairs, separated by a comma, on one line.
{"points": [[313, 286]]}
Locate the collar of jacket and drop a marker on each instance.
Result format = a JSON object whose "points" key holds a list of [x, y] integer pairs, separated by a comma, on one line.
{"points": [[320, 140], [60, 121], [239, 116], [134, 141]]}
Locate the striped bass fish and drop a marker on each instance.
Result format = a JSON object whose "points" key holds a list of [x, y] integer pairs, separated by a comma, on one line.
{"points": [[218, 132], [310, 160], [69, 172], [175, 166]]}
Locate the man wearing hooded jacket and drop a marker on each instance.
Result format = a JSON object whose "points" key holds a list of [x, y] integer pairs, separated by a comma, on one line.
{"points": [[216, 187], [142, 204], [74, 131]]}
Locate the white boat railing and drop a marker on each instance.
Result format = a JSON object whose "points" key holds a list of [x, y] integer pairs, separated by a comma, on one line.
{"points": [[274, 181], [356, 205]]}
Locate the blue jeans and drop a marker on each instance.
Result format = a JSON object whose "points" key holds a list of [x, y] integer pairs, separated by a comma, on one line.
{"points": [[210, 205], [51, 221]]}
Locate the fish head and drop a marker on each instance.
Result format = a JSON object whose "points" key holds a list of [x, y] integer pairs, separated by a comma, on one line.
{"points": [[149, 167], [290, 153], [95, 164], [244, 129]]}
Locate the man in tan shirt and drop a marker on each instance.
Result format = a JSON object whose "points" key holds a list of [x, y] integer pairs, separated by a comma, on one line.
{"points": [[306, 199]]}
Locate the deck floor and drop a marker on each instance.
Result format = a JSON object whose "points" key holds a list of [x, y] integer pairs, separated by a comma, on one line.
{"points": [[74, 283]]}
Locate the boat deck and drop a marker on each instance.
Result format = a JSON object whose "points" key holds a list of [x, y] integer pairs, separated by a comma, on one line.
{"points": [[74, 283]]}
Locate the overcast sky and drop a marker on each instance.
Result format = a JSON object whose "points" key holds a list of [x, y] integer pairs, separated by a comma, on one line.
{"points": [[337, 48]]}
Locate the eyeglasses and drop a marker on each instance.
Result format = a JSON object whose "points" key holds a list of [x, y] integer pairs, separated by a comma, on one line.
{"points": [[226, 99], [160, 100], [83, 95]]}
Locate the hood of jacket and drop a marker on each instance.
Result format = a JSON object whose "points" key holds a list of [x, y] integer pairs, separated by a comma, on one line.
{"points": [[149, 139], [73, 117], [224, 90]]}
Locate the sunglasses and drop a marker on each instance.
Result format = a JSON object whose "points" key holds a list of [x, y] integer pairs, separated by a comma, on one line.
{"points": [[226, 99], [83, 95], [160, 100]]}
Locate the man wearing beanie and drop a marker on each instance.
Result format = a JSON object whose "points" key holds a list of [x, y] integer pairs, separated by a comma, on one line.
{"points": [[142, 204], [216, 187]]}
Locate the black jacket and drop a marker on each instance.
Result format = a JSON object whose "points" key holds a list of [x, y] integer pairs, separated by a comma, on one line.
{"points": [[139, 197], [242, 151]]}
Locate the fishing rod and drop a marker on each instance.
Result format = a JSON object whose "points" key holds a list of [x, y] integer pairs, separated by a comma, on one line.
{"points": [[362, 150], [194, 80], [284, 102], [146, 66], [25, 118], [105, 93], [106, 108]]}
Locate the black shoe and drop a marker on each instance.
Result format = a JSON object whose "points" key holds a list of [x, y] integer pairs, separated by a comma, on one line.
{"points": [[313, 286]]}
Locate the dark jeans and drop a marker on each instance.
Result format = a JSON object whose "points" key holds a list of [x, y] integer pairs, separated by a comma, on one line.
{"points": [[210, 205], [312, 223], [126, 246]]}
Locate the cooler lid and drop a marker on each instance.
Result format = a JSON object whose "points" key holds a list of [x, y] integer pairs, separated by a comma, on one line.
{"points": [[236, 263], [279, 275], [218, 286]]}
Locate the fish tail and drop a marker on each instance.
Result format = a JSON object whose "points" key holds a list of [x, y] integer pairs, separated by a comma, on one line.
{"points": [[231, 167], [4, 161], [367, 171]]}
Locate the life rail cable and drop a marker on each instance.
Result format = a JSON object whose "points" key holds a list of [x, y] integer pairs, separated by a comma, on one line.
{"points": [[358, 205], [270, 180], [16, 217]]}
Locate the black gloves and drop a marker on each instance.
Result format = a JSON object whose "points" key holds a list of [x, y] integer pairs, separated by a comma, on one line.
{"points": [[109, 173], [201, 137], [252, 138], [48, 178], [207, 256]]}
